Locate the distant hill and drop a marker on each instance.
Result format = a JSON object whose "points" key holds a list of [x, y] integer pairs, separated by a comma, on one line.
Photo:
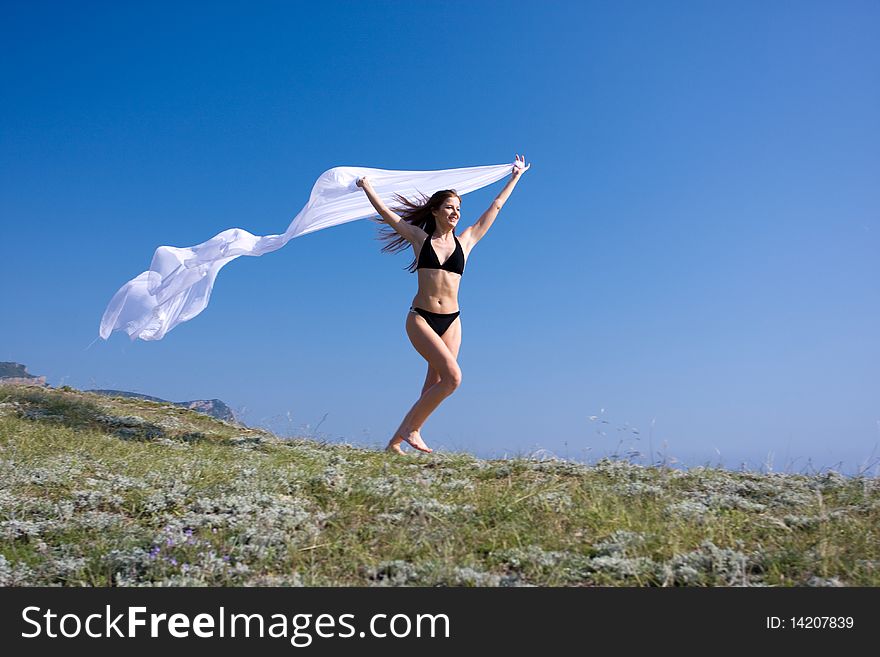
{"points": [[14, 371], [213, 407], [17, 374]]}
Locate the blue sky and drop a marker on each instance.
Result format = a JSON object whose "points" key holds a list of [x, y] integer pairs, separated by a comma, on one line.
{"points": [[693, 255]]}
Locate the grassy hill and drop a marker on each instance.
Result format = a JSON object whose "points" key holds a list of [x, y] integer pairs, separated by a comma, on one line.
{"points": [[99, 491]]}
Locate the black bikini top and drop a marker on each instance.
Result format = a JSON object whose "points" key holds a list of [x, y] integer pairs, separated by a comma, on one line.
{"points": [[428, 258]]}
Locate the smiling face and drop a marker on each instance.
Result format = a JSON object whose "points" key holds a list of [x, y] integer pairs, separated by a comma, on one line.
{"points": [[447, 213]]}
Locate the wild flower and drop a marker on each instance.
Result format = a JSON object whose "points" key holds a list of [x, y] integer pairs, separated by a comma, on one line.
{"points": [[621, 542], [427, 506], [170, 422], [458, 485], [620, 567], [14, 574], [64, 568], [556, 501], [711, 565], [386, 486], [689, 510], [722, 501], [830, 481], [133, 421], [54, 472], [468, 576], [530, 556], [333, 478], [128, 566], [391, 518], [557, 467], [637, 489], [169, 498], [14, 529], [423, 480], [9, 408], [97, 521], [95, 499]]}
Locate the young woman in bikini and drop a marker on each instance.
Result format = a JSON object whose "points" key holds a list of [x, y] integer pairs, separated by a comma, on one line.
{"points": [[433, 323]]}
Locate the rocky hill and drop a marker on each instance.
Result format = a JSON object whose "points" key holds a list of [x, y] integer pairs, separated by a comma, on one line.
{"points": [[17, 374], [213, 407]]}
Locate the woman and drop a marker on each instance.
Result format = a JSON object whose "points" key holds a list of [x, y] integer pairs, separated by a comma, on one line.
{"points": [[433, 323]]}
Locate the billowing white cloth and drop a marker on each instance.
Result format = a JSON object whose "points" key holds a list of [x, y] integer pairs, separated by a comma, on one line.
{"points": [[178, 284]]}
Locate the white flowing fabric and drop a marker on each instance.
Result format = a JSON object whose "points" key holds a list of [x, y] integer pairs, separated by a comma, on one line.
{"points": [[178, 284]]}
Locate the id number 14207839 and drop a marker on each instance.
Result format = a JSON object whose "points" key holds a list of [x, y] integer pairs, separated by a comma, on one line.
{"points": [[810, 623]]}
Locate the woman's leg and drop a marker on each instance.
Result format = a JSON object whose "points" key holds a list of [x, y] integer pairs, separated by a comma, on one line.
{"points": [[443, 377], [452, 339]]}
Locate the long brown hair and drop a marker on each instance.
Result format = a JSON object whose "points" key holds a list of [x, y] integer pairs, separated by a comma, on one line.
{"points": [[418, 214]]}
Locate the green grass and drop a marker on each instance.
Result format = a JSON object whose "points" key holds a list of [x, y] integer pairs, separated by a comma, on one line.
{"points": [[98, 491]]}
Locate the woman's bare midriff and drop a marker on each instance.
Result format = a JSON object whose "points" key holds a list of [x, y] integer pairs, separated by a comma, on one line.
{"points": [[438, 291]]}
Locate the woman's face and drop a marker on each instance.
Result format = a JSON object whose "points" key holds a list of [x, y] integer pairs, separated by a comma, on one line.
{"points": [[448, 213]]}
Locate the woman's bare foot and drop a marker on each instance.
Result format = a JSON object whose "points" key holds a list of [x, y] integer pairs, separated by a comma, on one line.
{"points": [[394, 448], [415, 440]]}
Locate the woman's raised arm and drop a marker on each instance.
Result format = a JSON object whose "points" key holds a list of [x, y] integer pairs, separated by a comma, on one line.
{"points": [[408, 231], [476, 232]]}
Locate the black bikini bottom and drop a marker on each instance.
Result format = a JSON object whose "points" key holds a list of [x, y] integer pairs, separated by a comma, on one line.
{"points": [[437, 321]]}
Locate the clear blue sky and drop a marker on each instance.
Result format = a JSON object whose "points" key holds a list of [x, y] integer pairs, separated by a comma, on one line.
{"points": [[695, 249]]}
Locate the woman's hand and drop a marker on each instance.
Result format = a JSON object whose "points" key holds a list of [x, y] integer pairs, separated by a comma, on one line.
{"points": [[520, 166], [384, 212]]}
